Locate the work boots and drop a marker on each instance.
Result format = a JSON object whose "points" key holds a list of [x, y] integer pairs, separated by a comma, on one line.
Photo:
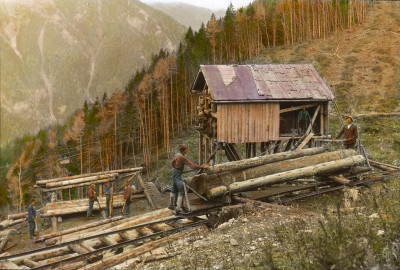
{"points": [[172, 201], [180, 205], [179, 202]]}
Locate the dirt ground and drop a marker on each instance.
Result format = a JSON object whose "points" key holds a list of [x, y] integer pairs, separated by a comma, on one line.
{"points": [[239, 239]]}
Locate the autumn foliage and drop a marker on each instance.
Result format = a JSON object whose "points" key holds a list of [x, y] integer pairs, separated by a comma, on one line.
{"points": [[134, 126]]}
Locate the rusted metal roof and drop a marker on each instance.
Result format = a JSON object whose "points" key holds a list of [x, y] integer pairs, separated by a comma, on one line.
{"points": [[262, 82]]}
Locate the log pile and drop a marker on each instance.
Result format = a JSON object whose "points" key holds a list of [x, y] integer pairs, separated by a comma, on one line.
{"points": [[19, 215], [259, 172], [60, 208], [71, 242], [10, 223], [74, 181]]}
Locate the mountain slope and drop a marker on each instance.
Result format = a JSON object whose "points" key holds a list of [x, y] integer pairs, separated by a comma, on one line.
{"points": [[56, 54], [187, 15]]}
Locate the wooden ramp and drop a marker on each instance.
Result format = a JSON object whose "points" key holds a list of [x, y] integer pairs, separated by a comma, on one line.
{"points": [[160, 200]]}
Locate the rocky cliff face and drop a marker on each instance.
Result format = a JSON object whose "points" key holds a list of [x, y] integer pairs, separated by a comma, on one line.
{"points": [[56, 54]]}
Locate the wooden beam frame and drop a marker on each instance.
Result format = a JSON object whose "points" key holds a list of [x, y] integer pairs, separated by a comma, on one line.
{"points": [[313, 120], [297, 108]]}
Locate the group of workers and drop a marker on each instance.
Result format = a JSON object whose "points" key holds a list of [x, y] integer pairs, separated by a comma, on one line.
{"points": [[178, 190], [108, 193]]}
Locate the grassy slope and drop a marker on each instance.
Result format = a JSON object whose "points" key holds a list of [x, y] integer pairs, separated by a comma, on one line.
{"points": [[363, 75]]}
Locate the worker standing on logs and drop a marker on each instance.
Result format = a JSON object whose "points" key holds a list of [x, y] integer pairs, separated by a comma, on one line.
{"points": [[92, 199], [303, 120], [350, 134], [32, 218], [127, 198], [178, 164], [107, 193]]}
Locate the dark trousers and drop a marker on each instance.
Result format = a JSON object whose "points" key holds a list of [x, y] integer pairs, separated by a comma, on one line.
{"points": [[177, 182], [31, 228], [127, 205], [90, 210], [108, 205], [303, 125], [349, 146]]}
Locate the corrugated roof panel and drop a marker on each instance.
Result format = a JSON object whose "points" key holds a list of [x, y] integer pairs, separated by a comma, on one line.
{"points": [[215, 83], [268, 82], [246, 83], [227, 74]]}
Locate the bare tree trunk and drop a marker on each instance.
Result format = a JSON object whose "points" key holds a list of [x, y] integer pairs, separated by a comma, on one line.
{"points": [[19, 185]]}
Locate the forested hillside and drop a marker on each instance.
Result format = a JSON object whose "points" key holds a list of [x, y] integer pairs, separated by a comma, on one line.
{"points": [[135, 126]]}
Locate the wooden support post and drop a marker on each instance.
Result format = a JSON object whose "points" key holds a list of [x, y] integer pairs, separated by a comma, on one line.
{"points": [[214, 147], [309, 129], [262, 148], [54, 218], [322, 120], [267, 146], [254, 150], [248, 150], [101, 190], [201, 158], [276, 148], [306, 140], [288, 145], [326, 119], [206, 149], [271, 147]]}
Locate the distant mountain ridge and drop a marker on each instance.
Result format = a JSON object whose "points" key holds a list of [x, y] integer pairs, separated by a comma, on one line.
{"points": [[187, 15], [56, 54]]}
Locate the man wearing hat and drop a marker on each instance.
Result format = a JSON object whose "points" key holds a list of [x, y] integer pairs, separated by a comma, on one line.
{"points": [[350, 134], [127, 198], [92, 199], [303, 120], [32, 218], [178, 164]]}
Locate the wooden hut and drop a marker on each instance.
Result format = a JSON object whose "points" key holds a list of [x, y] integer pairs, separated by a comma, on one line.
{"points": [[257, 104]]}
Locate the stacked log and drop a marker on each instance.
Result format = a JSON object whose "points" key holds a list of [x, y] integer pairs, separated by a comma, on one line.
{"points": [[258, 161], [258, 172], [60, 208], [120, 173], [114, 225], [315, 170], [9, 223], [19, 215], [70, 249], [75, 229], [263, 166]]}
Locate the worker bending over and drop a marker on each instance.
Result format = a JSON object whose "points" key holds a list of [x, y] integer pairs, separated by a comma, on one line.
{"points": [[178, 164]]}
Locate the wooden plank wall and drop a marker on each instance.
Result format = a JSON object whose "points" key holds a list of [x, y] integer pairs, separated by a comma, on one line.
{"points": [[248, 122]]}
